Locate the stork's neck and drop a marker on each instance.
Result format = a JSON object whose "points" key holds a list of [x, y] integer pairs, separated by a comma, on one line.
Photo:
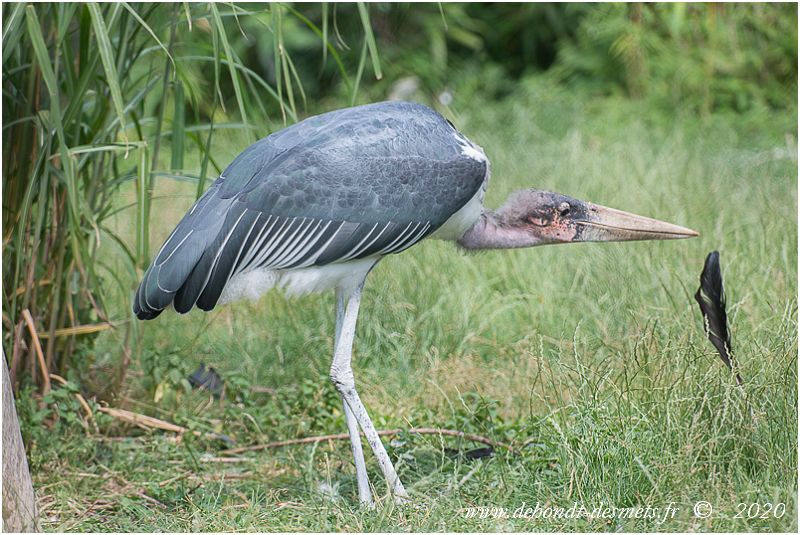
{"points": [[489, 232]]}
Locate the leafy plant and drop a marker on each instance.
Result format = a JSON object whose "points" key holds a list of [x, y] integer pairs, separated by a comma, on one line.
{"points": [[704, 56]]}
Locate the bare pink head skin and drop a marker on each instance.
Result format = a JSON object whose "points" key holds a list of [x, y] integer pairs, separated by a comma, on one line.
{"points": [[532, 217]]}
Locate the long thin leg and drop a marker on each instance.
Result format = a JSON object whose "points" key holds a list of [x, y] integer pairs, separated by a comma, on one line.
{"points": [[364, 491], [342, 376]]}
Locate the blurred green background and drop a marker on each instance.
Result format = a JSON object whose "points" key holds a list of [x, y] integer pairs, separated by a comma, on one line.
{"points": [[591, 360]]}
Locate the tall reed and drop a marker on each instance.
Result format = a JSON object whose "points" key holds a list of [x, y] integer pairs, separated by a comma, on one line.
{"points": [[93, 97]]}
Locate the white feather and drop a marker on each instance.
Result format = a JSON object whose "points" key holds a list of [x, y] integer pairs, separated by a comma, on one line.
{"points": [[470, 149]]}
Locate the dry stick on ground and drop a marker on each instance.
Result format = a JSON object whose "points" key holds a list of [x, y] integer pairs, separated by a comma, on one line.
{"points": [[150, 499], [142, 420], [383, 433], [38, 347], [148, 422]]}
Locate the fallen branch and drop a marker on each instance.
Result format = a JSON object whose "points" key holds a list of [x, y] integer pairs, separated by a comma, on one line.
{"points": [[148, 422], [150, 499], [383, 433], [38, 347], [142, 420]]}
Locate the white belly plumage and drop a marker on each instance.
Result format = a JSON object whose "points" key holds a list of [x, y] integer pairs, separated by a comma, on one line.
{"points": [[294, 282]]}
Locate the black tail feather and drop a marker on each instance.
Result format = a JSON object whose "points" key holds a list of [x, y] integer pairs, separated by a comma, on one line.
{"points": [[711, 298]]}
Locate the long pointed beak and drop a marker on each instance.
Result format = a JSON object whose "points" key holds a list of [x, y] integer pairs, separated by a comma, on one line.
{"points": [[607, 224]]}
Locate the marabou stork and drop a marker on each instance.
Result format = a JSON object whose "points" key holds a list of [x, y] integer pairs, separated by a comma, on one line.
{"points": [[316, 205]]}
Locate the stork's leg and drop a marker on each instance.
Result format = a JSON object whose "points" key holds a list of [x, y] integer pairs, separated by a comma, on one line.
{"points": [[364, 492], [342, 376]]}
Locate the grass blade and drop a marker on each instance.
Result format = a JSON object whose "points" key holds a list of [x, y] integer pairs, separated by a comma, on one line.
{"points": [[296, 79], [11, 28], [188, 14], [149, 30], [143, 212], [324, 34], [229, 54], [49, 76], [287, 79], [178, 125], [201, 182], [361, 62], [370, 37], [277, 45], [217, 59], [107, 58], [326, 44]]}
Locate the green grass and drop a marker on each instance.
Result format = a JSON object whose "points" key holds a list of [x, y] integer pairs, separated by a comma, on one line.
{"points": [[590, 358]]}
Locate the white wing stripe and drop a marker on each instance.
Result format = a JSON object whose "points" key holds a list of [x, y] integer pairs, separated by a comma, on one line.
{"points": [[219, 253], [267, 242], [263, 244], [399, 238], [355, 248], [368, 245], [235, 265], [289, 243], [175, 249], [304, 250], [418, 237], [281, 242], [144, 294], [273, 243], [248, 255], [303, 245], [409, 240], [321, 249], [251, 253], [172, 235]]}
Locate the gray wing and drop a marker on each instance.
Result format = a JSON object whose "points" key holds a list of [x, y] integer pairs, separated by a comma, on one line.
{"points": [[365, 181]]}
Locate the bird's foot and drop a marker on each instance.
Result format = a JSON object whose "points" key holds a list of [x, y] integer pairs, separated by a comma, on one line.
{"points": [[365, 497], [400, 495], [404, 499]]}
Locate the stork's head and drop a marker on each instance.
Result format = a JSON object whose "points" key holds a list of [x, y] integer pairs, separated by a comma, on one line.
{"points": [[546, 217]]}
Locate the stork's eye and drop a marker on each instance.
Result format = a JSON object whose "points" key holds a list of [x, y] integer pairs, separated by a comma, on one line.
{"points": [[538, 221], [563, 209]]}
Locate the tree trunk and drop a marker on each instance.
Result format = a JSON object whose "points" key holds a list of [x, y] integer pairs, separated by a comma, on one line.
{"points": [[19, 502]]}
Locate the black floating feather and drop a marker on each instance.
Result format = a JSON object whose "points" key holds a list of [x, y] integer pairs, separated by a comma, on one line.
{"points": [[711, 298], [207, 379]]}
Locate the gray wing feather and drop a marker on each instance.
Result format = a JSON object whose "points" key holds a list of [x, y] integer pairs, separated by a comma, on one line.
{"points": [[364, 181]]}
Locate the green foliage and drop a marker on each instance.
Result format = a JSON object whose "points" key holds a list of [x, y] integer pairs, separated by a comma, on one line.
{"points": [[164, 376], [702, 57], [698, 57]]}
